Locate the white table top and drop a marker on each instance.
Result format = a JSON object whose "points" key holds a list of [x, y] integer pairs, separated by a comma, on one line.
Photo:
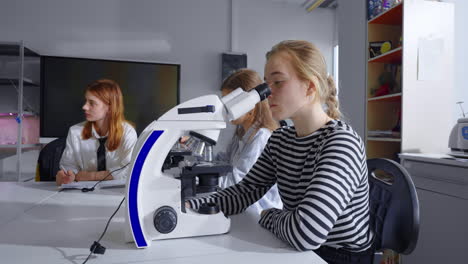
{"points": [[40, 225], [436, 158], [15, 199]]}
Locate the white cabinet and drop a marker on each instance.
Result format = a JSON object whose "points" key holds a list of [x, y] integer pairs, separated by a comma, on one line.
{"points": [[442, 187]]}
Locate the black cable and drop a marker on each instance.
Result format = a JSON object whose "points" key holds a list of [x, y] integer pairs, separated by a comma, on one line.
{"points": [[96, 247], [110, 173]]}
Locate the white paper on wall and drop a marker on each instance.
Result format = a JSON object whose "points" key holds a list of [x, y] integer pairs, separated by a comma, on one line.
{"points": [[430, 59]]}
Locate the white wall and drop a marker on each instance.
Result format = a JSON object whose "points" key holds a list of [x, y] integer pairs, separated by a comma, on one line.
{"points": [[351, 17], [461, 54], [192, 33], [263, 23]]}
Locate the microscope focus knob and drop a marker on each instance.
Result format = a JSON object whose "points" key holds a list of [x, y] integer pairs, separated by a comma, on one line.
{"points": [[165, 219]]}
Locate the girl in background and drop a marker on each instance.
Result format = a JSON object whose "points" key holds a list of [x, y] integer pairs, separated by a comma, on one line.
{"points": [[252, 133], [103, 143]]}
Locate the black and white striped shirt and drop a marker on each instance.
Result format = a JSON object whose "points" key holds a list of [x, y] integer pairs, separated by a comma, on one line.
{"points": [[322, 181]]}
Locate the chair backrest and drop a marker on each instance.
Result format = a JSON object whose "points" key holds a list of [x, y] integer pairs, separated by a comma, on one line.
{"points": [[49, 160], [394, 208]]}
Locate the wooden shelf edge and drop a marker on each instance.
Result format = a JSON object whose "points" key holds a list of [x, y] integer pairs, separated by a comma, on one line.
{"points": [[383, 97], [389, 53]]}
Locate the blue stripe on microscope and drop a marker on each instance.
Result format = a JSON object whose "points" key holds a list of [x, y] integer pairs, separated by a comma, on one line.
{"points": [[133, 188]]}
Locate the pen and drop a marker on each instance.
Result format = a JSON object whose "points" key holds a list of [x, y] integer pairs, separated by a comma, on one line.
{"points": [[64, 170]]}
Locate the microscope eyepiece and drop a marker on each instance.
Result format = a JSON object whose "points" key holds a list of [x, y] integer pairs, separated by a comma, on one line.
{"points": [[263, 90], [239, 102]]}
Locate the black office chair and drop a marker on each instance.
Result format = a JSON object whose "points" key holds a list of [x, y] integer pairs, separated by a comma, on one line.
{"points": [[394, 207], [48, 163]]}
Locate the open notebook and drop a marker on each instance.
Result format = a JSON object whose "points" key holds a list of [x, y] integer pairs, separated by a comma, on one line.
{"points": [[89, 184]]}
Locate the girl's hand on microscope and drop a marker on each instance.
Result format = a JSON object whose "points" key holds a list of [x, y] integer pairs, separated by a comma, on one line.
{"points": [[183, 139], [187, 205]]}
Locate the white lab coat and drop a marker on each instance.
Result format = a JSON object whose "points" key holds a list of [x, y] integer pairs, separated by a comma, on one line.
{"points": [[242, 155]]}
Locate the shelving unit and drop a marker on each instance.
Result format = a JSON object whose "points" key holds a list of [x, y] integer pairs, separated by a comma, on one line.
{"points": [[17, 62], [401, 95], [384, 94]]}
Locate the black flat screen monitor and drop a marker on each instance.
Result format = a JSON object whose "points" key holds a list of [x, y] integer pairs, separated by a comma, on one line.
{"points": [[149, 90]]}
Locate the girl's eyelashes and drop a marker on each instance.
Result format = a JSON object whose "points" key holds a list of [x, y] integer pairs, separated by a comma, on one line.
{"points": [[277, 83]]}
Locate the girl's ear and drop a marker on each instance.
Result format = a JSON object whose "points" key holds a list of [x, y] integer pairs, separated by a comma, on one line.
{"points": [[108, 111], [311, 88]]}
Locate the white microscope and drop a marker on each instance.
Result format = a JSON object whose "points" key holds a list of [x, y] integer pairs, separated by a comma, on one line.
{"points": [[155, 199]]}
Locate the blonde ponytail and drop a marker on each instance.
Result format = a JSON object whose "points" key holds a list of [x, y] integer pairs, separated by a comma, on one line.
{"points": [[333, 107]]}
